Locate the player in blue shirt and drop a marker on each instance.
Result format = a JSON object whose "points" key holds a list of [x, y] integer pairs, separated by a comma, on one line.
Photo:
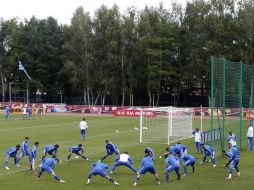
{"points": [[183, 147], [124, 160], [50, 150], [30, 113], [147, 166], [98, 169], [48, 165], [188, 160], [32, 157], [208, 151], [8, 113], [24, 149], [150, 152], [78, 150], [172, 164], [234, 160], [174, 150], [111, 149], [228, 155], [12, 153]]}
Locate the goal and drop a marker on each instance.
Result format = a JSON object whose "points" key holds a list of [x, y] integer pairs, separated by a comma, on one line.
{"points": [[165, 124]]}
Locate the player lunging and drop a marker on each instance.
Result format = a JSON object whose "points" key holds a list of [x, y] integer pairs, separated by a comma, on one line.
{"points": [[146, 166], [48, 165], [124, 160], [50, 150], [98, 169], [78, 150], [111, 149], [24, 149]]}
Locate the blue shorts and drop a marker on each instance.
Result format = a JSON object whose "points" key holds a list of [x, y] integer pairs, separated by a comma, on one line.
{"points": [[150, 169], [47, 169], [99, 172]]}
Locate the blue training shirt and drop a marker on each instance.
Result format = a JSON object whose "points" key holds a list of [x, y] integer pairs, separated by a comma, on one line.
{"points": [[175, 149], [7, 110], [24, 146], [50, 149], [12, 152], [76, 149], [100, 166], [188, 157], [183, 147], [234, 153], [49, 162], [33, 152], [208, 149], [110, 147], [146, 162], [172, 161]]}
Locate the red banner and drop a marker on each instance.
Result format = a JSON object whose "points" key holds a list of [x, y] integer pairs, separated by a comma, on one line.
{"points": [[134, 113]]}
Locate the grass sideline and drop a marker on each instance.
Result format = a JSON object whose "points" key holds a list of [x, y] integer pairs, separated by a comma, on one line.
{"points": [[64, 131]]}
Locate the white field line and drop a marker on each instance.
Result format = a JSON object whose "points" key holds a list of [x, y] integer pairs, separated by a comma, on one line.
{"points": [[93, 154], [92, 137], [49, 125]]}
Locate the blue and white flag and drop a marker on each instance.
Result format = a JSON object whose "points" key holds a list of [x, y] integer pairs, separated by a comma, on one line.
{"points": [[22, 68]]}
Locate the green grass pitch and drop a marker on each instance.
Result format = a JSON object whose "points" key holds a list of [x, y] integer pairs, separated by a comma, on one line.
{"points": [[64, 130]]}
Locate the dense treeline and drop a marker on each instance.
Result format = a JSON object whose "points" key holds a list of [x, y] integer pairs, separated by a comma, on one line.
{"points": [[131, 58]]}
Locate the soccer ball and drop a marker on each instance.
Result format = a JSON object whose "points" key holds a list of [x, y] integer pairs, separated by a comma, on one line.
{"points": [[117, 131], [135, 128]]}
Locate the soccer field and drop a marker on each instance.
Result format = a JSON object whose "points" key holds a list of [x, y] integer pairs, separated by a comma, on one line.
{"points": [[64, 131]]}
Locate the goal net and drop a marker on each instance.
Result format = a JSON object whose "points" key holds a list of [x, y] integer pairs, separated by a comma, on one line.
{"points": [[165, 124]]}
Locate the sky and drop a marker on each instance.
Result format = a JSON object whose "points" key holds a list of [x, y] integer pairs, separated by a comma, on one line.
{"points": [[62, 10]]}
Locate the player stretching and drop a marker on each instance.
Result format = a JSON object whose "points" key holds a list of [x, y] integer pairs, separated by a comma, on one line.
{"points": [[124, 160], [147, 166], [172, 164], [98, 169], [234, 160], [111, 149], [12, 153], [188, 160], [76, 150], [183, 147], [48, 165], [33, 156], [174, 150], [51, 150], [24, 149], [208, 151]]}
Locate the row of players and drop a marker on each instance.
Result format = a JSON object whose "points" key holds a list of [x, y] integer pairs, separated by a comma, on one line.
{"points": [[174, 155], [24, 113]]}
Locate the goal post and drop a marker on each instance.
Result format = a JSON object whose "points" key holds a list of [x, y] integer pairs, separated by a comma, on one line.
{"points": [[165, 124]]}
